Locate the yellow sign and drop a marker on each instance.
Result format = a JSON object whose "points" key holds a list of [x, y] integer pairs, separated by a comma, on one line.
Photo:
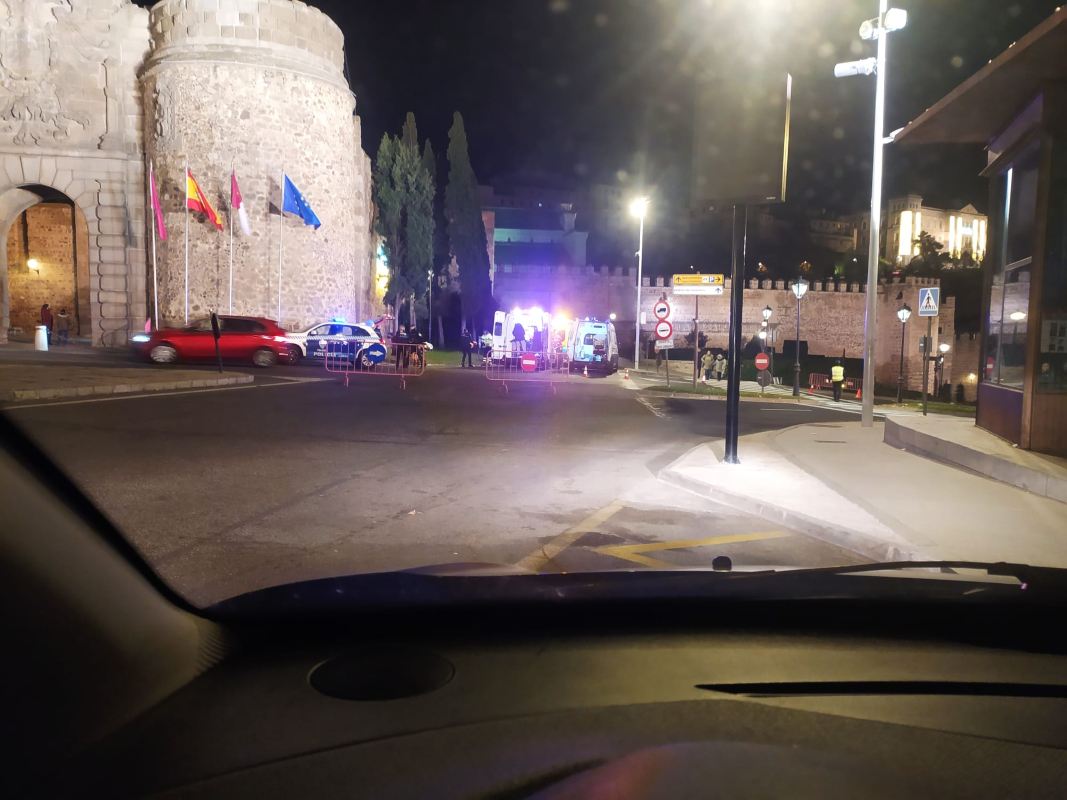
{"points": [[691, 279]]}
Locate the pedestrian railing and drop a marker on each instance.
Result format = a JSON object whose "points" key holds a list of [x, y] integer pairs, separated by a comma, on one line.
{"points": [[509, 365], [375, 359], [818, 381]]}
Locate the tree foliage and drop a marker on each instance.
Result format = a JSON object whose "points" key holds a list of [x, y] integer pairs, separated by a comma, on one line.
{"points": [[404, 193], [466, 232]]}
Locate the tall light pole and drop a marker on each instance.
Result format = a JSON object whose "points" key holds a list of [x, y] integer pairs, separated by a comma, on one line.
{"points": [[638, 208], [888, 19], [903, 314], [800, 288], [942, 348], [429, 306]]}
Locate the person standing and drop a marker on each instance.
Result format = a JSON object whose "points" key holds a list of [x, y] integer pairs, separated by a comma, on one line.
{"points": [[518, 337], [62, 323], [720, 366], [467, 346], [47, 320], [707, 361], [537, 341], [400, 342], [837, 377]]}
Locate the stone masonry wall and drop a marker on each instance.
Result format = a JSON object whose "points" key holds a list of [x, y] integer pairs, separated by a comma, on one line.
{"points": [[831, 321], [258, 85], [966, 363]]}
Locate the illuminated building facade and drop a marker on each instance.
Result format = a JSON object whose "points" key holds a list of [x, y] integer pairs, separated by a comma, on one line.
{"points": [[959, 231]]}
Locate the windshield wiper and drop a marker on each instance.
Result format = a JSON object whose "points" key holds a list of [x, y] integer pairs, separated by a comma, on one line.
{"points": [[1028, 576]]}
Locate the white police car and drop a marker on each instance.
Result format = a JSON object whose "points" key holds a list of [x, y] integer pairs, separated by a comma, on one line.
{"points": [[366, 345]]}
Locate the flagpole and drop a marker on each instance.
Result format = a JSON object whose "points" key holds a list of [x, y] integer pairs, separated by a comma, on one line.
{"points": [[281, 234], [186, 241], [152, 225], [232, 177]]}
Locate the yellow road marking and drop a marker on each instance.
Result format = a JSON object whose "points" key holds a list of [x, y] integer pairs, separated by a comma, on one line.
{"points": [[634, 552], [536, 561], [637, 558]]}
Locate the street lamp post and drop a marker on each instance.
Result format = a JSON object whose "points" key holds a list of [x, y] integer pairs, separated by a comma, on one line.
{"points": [[903, 313], [888, 19], [766, 336], [799, 289], [638, 208], [943, 348], [429, 306]]}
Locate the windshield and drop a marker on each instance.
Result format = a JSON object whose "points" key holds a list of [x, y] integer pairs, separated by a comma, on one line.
{"points": [[571, 287]]}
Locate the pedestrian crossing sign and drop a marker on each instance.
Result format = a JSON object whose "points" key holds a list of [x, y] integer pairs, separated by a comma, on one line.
{"points": [[929, 299]]}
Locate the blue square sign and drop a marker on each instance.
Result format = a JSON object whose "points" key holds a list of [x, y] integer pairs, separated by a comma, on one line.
{"points": [[929, 299]]}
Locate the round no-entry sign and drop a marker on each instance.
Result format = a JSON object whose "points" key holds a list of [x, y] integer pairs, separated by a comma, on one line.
{"points": [[664, 329], [529, 363], [662, 309], [763, 361]]}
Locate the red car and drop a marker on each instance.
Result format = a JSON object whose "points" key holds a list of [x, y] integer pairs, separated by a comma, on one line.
{"points": [[257, 340]]}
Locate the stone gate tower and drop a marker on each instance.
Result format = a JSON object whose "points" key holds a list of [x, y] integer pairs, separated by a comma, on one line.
{"points": [[259, 85], [91, 91]]}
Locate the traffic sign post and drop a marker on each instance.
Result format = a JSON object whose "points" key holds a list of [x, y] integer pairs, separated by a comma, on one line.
{"points": [[929, 303], [689, 283], [664, 329], [664, 346], [763, 363], [661, 310]]}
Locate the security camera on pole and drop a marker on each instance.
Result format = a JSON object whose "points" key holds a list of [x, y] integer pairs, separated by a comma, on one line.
{"points": [[888, 19]]}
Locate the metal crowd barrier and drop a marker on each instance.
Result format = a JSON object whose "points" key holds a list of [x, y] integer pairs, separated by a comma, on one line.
{"points": [[384, 359], [525, 366], [819, 381]]}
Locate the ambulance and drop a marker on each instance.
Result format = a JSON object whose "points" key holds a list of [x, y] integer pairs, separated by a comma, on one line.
{"points": [[518, 331], [594, 346]]}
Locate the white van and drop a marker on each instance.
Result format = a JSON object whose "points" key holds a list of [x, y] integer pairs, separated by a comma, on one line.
{"points": [[536, 328], [594, 346]]}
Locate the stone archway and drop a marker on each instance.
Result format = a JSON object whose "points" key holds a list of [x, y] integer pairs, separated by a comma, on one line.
{"points": [[100, 189], [46, 254]]}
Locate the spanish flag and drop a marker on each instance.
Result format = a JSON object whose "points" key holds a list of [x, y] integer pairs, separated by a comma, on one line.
{"points": [[195, 200]]}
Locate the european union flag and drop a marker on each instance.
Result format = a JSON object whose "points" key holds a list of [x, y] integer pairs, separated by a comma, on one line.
{"points": [[294, 203]]}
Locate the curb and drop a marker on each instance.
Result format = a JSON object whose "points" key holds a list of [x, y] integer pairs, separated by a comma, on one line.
{"points": [[865, 544], [977, 461], [20, 395]]}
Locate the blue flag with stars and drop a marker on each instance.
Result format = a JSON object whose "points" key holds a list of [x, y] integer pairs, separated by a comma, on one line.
{"points": [[294, 203]]}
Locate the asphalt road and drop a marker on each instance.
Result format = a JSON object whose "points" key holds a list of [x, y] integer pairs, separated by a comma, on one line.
{"points": [[297, 477]]}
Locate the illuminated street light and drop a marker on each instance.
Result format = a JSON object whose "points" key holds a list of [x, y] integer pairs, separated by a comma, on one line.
{"points": [[903, 314], [1015, 316], [639, 208], [767, 311], [611, 316], [944, 347], [800, 288], [34, 265], [877, 29]]}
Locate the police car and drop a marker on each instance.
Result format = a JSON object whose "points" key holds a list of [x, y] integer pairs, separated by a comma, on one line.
{"points": [[365, 344]]}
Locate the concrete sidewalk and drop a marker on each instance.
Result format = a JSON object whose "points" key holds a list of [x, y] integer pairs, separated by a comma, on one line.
{"points": [[23, 382], [959, 441], [842, 483]]}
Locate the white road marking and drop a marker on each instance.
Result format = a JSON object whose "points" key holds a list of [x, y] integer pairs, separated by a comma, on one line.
{"points": [[658, 412], [112, 397]]}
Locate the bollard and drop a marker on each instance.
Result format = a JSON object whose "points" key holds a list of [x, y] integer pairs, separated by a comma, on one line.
{"points": [[40, 338], [585, 371]]}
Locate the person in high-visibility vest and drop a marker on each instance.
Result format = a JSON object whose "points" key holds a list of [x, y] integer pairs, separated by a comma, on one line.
{"points": [[837, 377]]}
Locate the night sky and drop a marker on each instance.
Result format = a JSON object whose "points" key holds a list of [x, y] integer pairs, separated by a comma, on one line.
{"points": [[602, 90]]}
